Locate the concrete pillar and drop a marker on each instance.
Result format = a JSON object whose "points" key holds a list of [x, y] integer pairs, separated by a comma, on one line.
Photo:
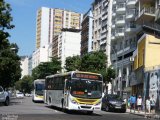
{"points": [[119, 79], [127, 74]]}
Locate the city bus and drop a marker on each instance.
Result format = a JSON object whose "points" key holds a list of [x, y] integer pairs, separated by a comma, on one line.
{"points": [[38, 91], [74, 90]]}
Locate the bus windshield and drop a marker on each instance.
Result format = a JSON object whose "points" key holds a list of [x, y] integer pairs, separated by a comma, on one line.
{"points": [[86, 88], [39, 89]]}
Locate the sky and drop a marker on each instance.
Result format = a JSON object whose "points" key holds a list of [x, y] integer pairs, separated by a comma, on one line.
{"points": [[24, 18]]}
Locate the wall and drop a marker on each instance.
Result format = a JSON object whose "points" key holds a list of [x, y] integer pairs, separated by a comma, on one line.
{"points": [[152, 86], [152, 56]]}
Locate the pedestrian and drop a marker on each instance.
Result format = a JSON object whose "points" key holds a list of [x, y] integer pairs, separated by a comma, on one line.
{"points": [[153, 103], [148, 105], [133, 102], [139, 103]]}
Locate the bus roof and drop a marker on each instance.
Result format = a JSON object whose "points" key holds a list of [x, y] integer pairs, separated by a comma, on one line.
{"points": [[71, 72], [39, 80]]}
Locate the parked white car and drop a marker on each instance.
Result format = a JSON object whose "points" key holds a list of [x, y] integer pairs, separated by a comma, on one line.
{"points": [[19, 95], [4, 96]]}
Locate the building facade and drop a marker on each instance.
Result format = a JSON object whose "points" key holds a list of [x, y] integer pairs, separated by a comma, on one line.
{"points": [[146, 57], [67, 38], [30, 65], [40, 55], [102, 15], [49, 23], [86, 33], [123, 43], [24, 66]]}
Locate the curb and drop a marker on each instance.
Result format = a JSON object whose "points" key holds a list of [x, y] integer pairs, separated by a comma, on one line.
{"points": [[136, 114], [155, 116]]}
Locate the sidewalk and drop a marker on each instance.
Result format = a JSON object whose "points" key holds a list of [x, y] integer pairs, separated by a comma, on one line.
{"points": [[143, 113]]}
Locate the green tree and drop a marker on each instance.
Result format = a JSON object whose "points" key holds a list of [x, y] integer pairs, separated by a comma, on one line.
{"points": [[46, 68], [5, 24], [25, 84], [10, 70], [94, 61], [110, 74], [73, 63]]}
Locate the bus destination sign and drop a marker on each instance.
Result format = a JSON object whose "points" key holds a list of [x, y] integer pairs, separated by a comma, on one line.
{"points": [[87, 76]]}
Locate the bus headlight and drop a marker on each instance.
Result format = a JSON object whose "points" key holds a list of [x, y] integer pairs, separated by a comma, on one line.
{"points": [[74, 102], [98, 103]]}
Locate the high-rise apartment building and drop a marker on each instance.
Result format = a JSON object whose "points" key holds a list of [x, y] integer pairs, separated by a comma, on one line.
{"points": [[123, 42], [50, 21], [102, 11]]}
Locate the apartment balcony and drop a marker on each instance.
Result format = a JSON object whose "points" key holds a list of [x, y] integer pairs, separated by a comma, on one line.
{"points": [[132, 47], [121, 9], [121, 1], [113, 14], [124, 61], [104, 17], [131, 3], [103, 42], [104, 30], [130, 15], [113, 26], [147, 14], [120, 21], [103, 36], [130, 28], [114, 2], [119, 32], [113, 36]]}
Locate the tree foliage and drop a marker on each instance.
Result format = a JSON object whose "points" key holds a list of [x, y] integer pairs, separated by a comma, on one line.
{"points": [[110, 74], [9, 60], [46, 68], [94, 62], [25, 84], [73, 63]]}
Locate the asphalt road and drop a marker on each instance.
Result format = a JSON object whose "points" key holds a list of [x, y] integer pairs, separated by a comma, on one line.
{"points": [[25, 109]]}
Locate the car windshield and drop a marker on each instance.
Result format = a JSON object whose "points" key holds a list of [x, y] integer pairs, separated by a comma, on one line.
{"points": [[86, 88], [114, 97]]}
